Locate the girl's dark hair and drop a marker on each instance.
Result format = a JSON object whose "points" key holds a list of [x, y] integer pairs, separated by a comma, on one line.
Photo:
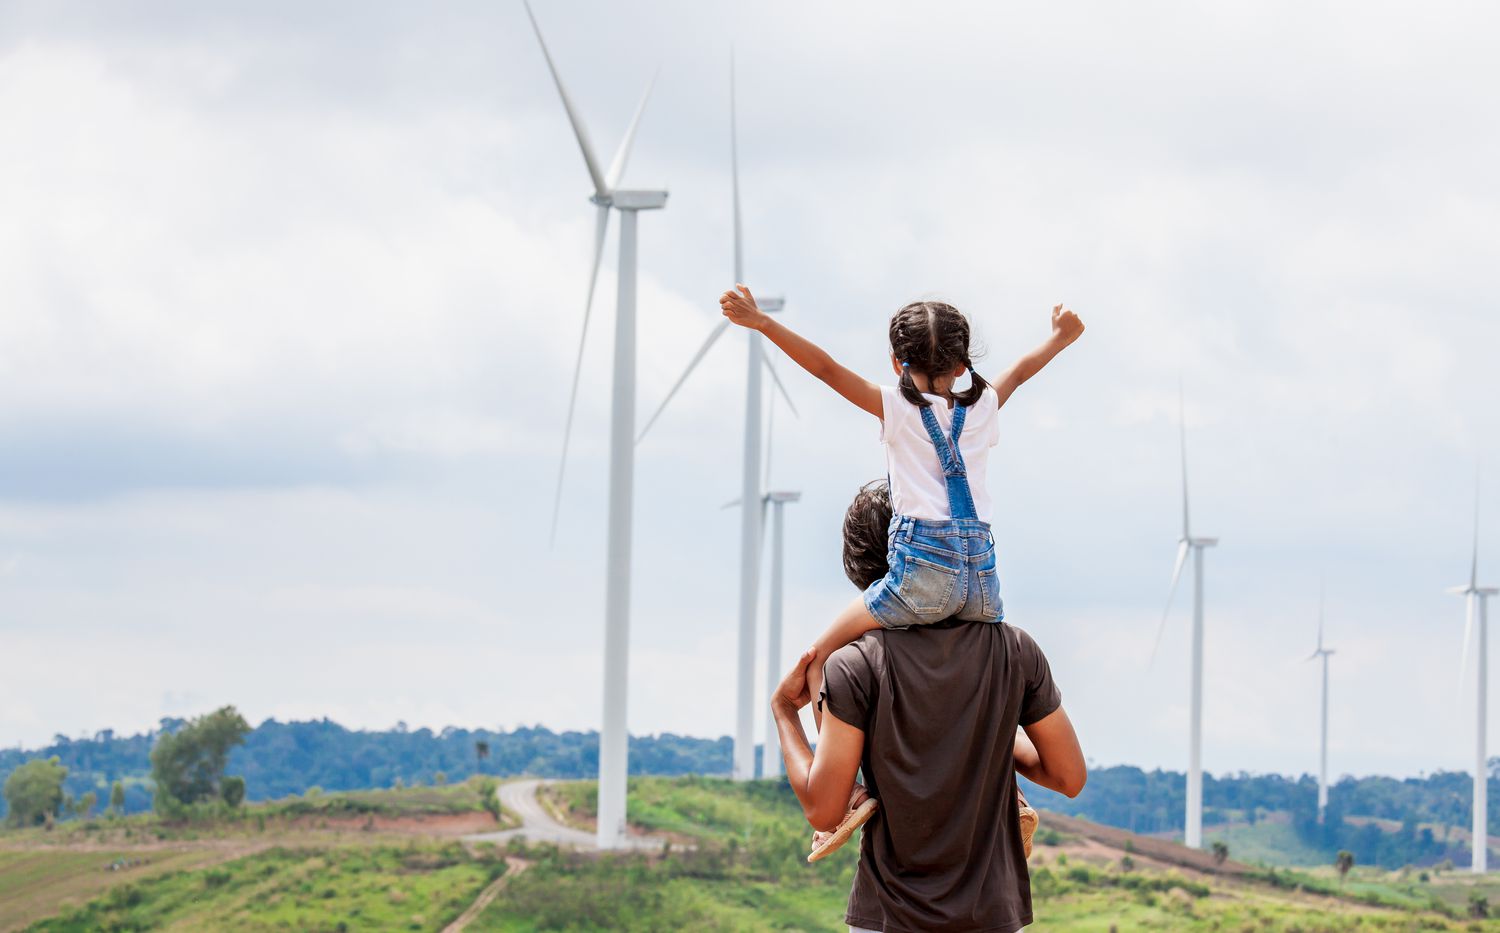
{"points": [[866, 528], [931, 338]]}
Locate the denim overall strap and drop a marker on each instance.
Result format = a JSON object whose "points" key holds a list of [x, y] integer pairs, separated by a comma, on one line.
{"points": [[955, 474]]}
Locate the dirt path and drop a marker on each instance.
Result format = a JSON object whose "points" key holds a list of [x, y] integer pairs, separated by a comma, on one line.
{"points": [[513, 867], [538, 825]]}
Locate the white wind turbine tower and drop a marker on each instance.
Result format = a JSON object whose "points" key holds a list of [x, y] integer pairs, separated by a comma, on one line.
{"points": [[1193, 832], [1322, 653], [771, 755], [613, 738], [1475, 597], [743, 767]]}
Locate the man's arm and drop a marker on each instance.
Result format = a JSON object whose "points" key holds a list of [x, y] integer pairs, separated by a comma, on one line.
{"points": [[1055, 760], [822, 781], [1066, 328]]}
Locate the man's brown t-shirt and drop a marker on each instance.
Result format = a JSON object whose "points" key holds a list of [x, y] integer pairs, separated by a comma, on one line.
{"points": [[939, 706]]}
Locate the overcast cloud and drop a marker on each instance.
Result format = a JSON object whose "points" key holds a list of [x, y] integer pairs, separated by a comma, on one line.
{"points": [[292, 294]]}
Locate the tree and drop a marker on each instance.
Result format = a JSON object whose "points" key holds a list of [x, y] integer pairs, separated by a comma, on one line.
{"points": [[187, 765], [85, 804], [489, 797], [1343, 863], [117, 798], [1221, 851], [232, 789], [34, 791], [439, 779], [481, 752]]}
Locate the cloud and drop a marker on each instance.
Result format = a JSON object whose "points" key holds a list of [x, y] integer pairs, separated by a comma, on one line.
{"points": [[294, 299]]}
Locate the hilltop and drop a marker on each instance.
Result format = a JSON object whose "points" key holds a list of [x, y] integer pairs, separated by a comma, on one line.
{"points": [[1422, 822], [732, 858]]}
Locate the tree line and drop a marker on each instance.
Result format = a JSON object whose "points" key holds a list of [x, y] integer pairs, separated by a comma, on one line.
{"points": [[223, 759], [280, 759], [187, 776], [1150, 802]]}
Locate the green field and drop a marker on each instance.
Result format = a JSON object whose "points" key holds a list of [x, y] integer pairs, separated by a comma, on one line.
{"points": [[736, 862], [413, 887]]}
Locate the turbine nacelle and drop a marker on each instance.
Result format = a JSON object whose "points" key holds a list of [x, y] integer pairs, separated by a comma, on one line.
{"points": [[635, 200]]}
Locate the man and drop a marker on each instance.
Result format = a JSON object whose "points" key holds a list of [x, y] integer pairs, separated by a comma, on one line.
{"points": [[929, 716]]}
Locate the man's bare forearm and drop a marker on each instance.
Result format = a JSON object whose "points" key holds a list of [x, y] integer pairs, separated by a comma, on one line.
{"points": [[796, 753]]}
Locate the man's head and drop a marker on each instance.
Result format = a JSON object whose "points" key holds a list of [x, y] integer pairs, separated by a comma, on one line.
{"points": [[866, 526]]}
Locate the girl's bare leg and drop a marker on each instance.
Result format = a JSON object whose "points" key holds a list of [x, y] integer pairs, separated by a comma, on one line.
{"points": [[848, 626]]}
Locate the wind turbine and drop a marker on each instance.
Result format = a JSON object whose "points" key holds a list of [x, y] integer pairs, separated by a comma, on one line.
{"points": [[743, 766], [613, 738], [1475, 597], [1322, 653], [1193, 832], [771, 755]]}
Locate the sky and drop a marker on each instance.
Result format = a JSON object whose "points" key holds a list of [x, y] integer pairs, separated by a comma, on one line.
{"points": [[293, 293]]}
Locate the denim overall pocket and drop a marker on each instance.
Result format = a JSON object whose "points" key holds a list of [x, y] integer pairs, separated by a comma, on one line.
{"points": [[926, 586]]}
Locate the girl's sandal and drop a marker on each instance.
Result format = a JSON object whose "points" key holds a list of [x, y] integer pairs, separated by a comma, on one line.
{"points": [[853, 820], [1029, 821]]}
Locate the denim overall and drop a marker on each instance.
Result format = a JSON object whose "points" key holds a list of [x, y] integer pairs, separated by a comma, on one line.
{"points": [[939, 570]]}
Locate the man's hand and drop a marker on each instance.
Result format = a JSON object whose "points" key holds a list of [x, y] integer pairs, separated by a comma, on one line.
{"points": [[1065, 324], [740, 307], [792, 693]]}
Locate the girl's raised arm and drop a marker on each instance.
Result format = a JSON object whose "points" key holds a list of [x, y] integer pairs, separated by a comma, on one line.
{"points": [[740, 307], [1066, 328]]}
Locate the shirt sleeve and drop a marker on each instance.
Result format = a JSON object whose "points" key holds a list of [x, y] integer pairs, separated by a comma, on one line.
{"points": [[1041, 697], [890, 401], [991, 398], [848, 683]]}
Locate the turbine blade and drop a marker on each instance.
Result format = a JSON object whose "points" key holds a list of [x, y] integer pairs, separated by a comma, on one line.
{"points": [[770, 435], [1182, 553], [730, 504], [1182, 434], [1320, 615], [601, 227], [622, 155], [1474, 561], [785, 396], [692, 364], [600, 188], [734, 174]]}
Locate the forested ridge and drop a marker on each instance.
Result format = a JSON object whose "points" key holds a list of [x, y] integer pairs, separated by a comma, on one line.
{"points": [[280, 759]]}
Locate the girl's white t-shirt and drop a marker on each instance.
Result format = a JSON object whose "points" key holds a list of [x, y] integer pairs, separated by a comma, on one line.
{"points": [[917, 486]]}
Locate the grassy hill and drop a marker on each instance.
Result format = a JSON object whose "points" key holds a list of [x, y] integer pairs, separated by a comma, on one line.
{"points": [[394, 860]]}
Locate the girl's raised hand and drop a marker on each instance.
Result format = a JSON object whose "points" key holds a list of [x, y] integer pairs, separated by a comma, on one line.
{"points": [[1065, 324], [740, 307]]}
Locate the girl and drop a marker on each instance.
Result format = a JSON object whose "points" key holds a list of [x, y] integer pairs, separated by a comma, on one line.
{"points": [[940, 554]]}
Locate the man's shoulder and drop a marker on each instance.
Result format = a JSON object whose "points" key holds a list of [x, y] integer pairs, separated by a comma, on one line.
{"points": [[864, 653]]}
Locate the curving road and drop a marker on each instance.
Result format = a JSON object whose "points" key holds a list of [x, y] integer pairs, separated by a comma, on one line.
{"points": [[537, 824]]}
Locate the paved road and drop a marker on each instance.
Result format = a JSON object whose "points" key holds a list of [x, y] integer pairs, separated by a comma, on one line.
{"points": [[537, 824]]}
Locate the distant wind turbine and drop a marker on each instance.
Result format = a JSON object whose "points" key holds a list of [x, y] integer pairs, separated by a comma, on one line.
{"points": [[1324, 654], [1193, 833], [613, 739], [771, 755], [1475, 598], [751, 534]]}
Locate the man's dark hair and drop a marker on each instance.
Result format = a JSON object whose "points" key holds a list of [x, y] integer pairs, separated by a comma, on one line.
{"points": [[866, 527]]}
